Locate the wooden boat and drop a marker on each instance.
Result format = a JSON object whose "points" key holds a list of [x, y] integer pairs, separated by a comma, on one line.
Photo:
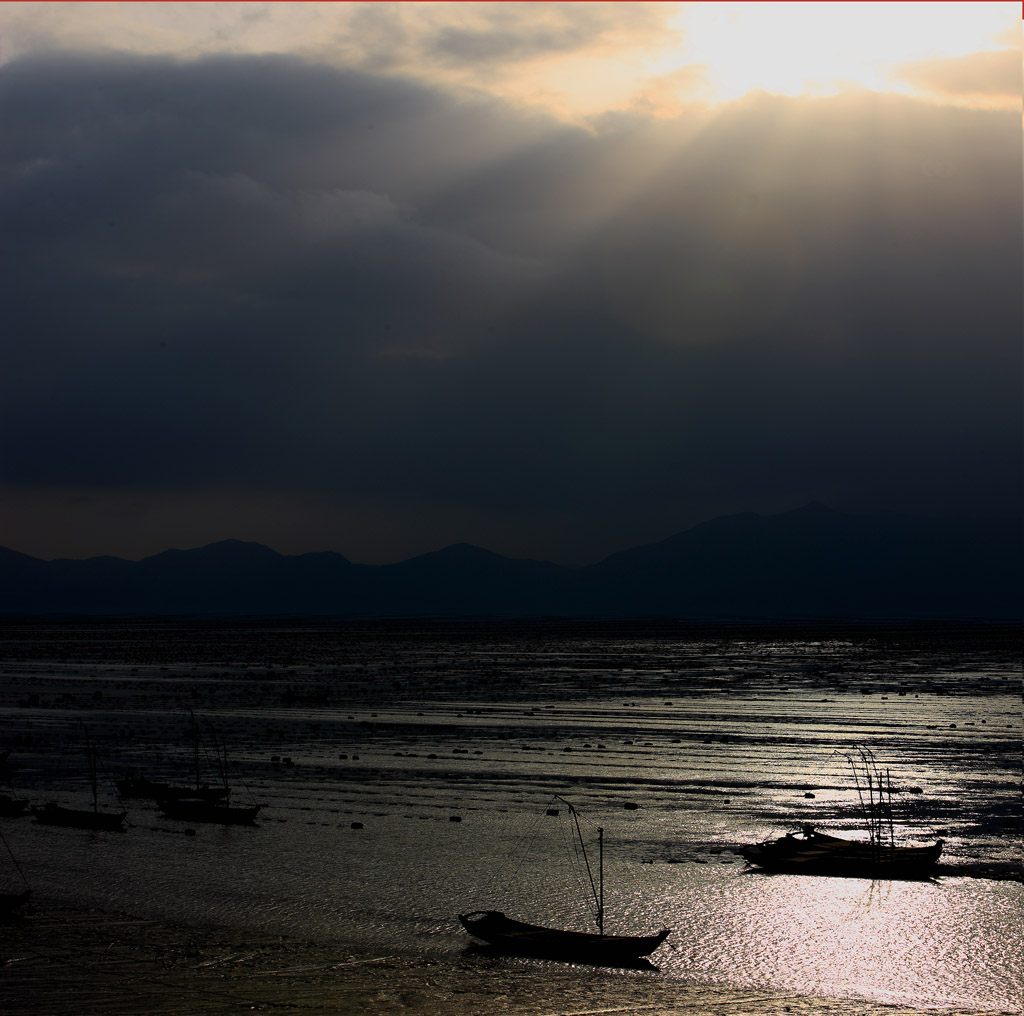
{"points": [[519, 938], [509, 936], [197, 809], [12, 807], [83, 818], [813, 853], [206, 804], [79, 818], [11, 903], [150, 790], [810, 852]]}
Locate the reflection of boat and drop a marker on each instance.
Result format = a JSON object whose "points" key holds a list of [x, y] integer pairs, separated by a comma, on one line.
{"points": [[204, 803], [510, 936], [810, 852], [813, 853], [83, 818]]}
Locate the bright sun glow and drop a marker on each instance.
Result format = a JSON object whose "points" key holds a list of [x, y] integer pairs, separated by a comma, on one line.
{"points": [[816, 48]]}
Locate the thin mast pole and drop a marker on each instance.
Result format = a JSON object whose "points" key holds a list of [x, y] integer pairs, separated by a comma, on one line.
{"points": [[600, 880], [598, 894], [195, 745]]}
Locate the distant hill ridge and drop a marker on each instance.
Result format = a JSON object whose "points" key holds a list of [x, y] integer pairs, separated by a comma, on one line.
{"points": [[806, 563]]}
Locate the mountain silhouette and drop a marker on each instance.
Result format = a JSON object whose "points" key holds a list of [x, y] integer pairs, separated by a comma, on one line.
{"points": [[807, 563]]}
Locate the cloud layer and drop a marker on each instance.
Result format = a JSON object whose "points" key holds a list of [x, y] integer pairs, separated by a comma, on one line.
{"points": [[281, 279]]}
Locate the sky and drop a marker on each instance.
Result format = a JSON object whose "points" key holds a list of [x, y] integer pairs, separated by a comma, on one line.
{"points": [[556, 279]]}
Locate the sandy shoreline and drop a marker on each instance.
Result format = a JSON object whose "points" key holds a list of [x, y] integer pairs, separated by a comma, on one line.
{"points": [[65, 961]]}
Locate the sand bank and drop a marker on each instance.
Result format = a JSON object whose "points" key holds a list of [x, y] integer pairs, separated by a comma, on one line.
{"points": [[61, 961]]}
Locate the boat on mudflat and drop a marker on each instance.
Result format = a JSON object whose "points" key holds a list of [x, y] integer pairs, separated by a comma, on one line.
{"points": [[12, 807], [810, 852], [204, 803], [79, 818], [507, 935], [149, 790], [53, 814], [11, 903], [519, 938], [197, 809]]}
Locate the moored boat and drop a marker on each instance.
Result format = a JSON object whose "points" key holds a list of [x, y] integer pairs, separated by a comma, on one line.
{"points": [[197, 809], [205, 803], [12, 807], [150, 790], [11, 903], [79, 818], [520, 938], [53, 814], [507, 935], [810, 852]]}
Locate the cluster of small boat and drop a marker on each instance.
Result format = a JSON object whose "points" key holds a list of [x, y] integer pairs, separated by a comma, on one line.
{"points": [[198, 803]]}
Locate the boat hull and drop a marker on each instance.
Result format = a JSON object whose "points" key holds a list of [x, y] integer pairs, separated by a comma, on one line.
{"points": [[519, 938], [149, 790], [11, 807], [11, 903], [200, 810], [820, 854], [79, 818]]}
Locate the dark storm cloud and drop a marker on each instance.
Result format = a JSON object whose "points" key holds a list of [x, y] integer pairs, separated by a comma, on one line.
{"points": [[281, 277]]}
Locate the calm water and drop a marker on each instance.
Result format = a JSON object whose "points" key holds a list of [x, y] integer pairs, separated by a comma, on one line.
{"points": [[682, 743]]}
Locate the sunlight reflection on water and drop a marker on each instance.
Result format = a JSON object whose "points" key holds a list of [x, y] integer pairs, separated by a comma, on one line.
{"points": [[707, 744]]}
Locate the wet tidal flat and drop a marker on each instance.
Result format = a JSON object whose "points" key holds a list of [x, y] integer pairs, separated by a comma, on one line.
{"points": [[405, 772]]}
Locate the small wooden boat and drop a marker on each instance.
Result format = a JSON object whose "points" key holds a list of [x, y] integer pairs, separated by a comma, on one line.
{"points": [[519, 938], [205, 804], [814, 853], [150, 790], [79, 818], [197, 809], [11, 903], [12, 807], [810, 852], [83, 818], [506, 935]]}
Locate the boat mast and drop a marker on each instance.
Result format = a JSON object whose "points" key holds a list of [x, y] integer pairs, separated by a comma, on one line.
{"points": [[597, 890], [90, 754], [92, 776], [195, 745]]}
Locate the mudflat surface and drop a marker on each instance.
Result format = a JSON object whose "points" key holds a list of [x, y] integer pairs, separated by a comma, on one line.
{"points": [[63, 961]]}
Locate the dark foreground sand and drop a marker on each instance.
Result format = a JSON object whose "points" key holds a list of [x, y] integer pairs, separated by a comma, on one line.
{"points": [[61, 961]]}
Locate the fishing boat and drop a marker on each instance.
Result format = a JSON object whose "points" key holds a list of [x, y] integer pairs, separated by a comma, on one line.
{"points": [[206, 804], [83, 818], [195, 809], [11, 903], [810, 852], [142, 788], [12, 807], [517, 937]]}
